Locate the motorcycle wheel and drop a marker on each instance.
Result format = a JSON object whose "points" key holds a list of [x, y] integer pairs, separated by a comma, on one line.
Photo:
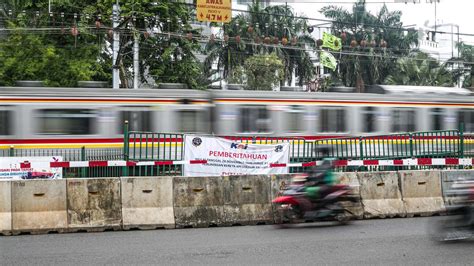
{"points": [[287, 215], [449, 230], [344, 217]]}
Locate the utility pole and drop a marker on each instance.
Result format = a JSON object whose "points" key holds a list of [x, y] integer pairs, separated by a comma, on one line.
{"points": [[115, 46], [136, 37]]}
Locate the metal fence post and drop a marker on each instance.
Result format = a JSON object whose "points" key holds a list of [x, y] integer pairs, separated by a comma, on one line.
{"points": [[410, 136], [461, 140], [361, 148], [83, 158], [11, 151], [126, 147]]}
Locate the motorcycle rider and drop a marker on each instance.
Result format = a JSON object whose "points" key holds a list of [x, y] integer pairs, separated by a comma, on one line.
{"points": [[320, 178]]}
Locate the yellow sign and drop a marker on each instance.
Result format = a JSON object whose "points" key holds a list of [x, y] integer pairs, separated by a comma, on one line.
{"points": [[214, 10]]}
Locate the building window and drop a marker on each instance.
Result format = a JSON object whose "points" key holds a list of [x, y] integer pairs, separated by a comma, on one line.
{"points": [[466, 116], [139, 119], [66, 121], [294, 119], [436, 115], [333, 119], [192, 121], [254, 119], [5, 122], [369, 119], [403, 120]]}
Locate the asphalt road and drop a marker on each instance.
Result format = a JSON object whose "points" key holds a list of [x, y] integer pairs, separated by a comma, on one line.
{"points": [[387, 242]]}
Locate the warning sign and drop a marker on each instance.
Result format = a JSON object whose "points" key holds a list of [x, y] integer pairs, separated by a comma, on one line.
{"points": [[214, 10]]}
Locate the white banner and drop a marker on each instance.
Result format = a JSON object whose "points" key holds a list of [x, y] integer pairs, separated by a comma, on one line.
{"points": [[226, 157], [14, 168]]}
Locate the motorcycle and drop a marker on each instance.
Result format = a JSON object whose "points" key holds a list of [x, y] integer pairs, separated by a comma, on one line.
{"points": [[459, 224], [293, 206]]}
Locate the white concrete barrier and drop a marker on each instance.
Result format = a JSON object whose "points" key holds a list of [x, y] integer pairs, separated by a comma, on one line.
{"points": [[381, 196], [147, 202], [94, 204], [421, 192], [39, 206], [448, 178], [247, 200], [5, 208], [198, 201], [351, 179]]}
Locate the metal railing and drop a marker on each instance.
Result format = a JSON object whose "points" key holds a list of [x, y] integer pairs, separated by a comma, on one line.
{"points": [[152, 146], [432, 144]]}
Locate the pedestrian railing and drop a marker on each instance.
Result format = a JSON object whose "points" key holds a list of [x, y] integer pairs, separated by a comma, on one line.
{"points": [[152, 146]]}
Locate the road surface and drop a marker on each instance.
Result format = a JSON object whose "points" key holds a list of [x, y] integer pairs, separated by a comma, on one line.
{"points": [[384, 241]]}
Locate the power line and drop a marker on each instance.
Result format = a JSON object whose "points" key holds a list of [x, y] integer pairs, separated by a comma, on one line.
{"points": [[77, 17]]}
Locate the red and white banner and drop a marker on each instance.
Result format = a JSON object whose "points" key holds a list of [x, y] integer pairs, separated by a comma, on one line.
{"points": [[30, 168], [228, 157]]}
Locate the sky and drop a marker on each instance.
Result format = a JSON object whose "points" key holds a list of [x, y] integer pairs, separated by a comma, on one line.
{"points": [[458, 12]]}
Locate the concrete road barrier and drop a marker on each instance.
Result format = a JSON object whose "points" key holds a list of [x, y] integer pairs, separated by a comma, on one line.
{"points": [[352, 180], [448, 177], [198, 201], [380, 194], [5, 208], [39, 206], [421, 192], [93, 204], [247, 200], [147, 202], [278, 182]]}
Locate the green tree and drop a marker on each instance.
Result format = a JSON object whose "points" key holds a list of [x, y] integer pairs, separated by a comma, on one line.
{"points": [[166, 54], [419, 69], [263, 71], [372, 43], [273, 29], [463, 65], [54, 56], [38, 59]]}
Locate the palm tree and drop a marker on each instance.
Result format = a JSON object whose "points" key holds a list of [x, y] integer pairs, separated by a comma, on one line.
{"points": [[463, 65], [263, 31], [370, 42], [419, 69]]}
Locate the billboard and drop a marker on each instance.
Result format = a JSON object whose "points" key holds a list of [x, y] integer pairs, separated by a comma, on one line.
{"points": [[227, 157], [20, 168]]}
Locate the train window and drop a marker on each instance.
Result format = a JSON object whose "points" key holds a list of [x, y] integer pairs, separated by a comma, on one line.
{"points": [[436, 115], [369, 115], [294, 118], [333, 119], [5, 121], [66, 121], [403, 120], [192, 121], [466, 116], [254, 119], [138, 119]]}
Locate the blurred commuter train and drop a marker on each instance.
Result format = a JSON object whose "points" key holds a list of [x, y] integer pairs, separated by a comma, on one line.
{"points": [[76, 117]]}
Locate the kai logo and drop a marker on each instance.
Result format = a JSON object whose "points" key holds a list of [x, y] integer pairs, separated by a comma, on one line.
{"points": [[238, 146]]}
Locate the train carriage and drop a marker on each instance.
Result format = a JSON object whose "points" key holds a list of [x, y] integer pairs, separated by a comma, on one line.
{"points": [[48, 119]]}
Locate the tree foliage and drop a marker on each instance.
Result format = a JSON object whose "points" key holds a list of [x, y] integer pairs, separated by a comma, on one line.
{"points": [[263, 72], [463, 65], [87, 56], [380, 38], [419, 69], [273, 29]]}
